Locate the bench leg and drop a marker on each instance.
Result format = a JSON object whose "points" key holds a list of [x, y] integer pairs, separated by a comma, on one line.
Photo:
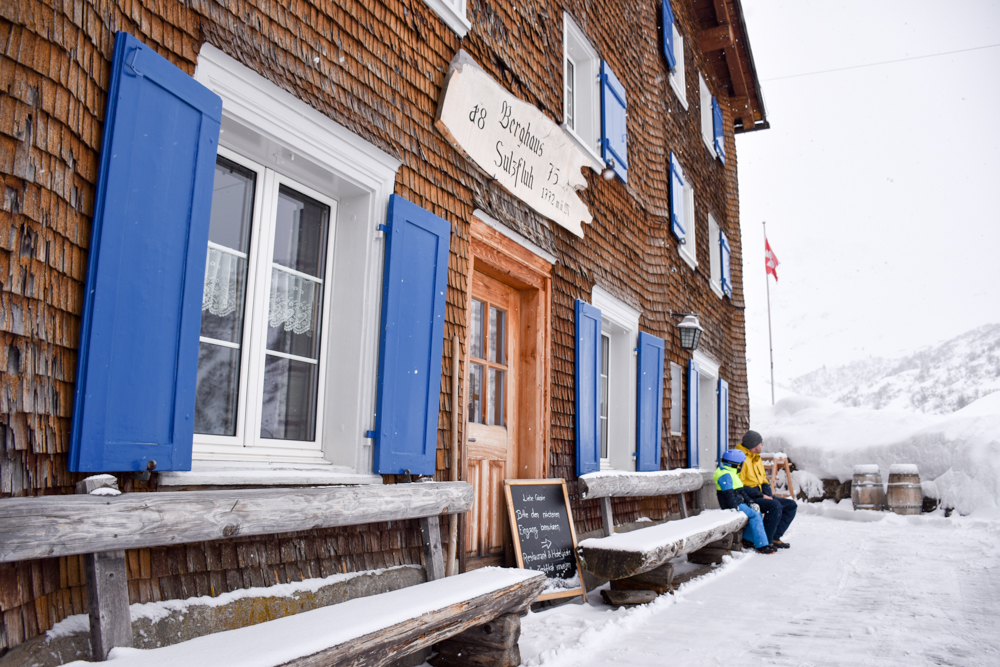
{"points": [[684, 506], [107, 598], [430, 531], [492, 644], [607, 518]]}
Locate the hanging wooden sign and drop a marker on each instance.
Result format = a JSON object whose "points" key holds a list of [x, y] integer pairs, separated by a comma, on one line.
{"points": [[541, 522], [514, 143]]}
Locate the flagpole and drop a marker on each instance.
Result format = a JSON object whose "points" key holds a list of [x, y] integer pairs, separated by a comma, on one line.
{"points": [[770, 341]]}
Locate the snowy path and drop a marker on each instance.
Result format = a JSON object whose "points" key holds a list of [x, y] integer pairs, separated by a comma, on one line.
{"points": [[851, 591]]}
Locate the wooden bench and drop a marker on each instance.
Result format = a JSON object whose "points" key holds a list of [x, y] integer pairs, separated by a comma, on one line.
{"points": [[365, 631], [102, 526], [639, 560]]}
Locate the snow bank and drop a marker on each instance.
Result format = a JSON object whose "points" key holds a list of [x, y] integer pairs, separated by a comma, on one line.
{"points": [[957, 455]]}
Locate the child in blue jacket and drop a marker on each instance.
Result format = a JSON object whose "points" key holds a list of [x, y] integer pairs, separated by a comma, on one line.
{"points": [[729, 489]]}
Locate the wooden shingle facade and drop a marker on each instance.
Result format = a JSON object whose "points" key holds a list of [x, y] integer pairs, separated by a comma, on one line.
{"points": [[374, 72]]}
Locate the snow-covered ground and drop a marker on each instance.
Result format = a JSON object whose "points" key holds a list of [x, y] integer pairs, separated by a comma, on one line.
{"points": [[856, 588], [957, 454]]}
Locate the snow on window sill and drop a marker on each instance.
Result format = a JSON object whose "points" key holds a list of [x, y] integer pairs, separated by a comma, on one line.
{"points": [[687, 256], [455, 20], [597, 163], [679, 90], [232, 473]]}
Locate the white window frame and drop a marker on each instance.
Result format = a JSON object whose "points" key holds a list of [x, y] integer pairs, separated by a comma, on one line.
{"points": [[688, 249], [265, 125], [707, 128], [676, 77], [252, 357], [676, 398], [708, 410], [453, 13], [577, 49], [715, 255], [620, 322]]}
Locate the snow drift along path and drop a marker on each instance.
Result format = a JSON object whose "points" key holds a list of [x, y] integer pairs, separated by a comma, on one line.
{"points": [[856, 588]]}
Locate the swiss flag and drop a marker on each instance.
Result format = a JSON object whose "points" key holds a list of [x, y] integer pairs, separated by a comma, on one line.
{"points": [[770, 261]]}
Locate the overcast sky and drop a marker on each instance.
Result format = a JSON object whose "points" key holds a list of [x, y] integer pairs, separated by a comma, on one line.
{"points": [[879, 184]]}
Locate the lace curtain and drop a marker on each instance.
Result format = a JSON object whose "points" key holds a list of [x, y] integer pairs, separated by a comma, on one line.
{"points": [[293, 300], [222, 281]]}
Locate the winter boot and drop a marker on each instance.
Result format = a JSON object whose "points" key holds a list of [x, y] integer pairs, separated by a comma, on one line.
{"points": [[767, 550], [747, 544], [780, 545]]}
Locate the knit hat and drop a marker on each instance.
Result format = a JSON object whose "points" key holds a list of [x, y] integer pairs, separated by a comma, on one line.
{"points": [[752, 439]]}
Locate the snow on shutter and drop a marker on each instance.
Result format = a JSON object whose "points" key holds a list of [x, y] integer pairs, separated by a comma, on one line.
{"points": [[649, 402], [409, 359], [668, 34], [676, 198], [138, 355], [723, 418], [588, 388], [693, 379], [614, 131], [720, 137], [727, 268]]}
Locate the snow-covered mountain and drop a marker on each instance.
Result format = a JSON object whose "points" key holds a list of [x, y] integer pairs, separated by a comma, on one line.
{"points": [[934, 380]]}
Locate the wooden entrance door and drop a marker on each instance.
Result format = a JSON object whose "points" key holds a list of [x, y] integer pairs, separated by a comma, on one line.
{"points": [[492, 388]]}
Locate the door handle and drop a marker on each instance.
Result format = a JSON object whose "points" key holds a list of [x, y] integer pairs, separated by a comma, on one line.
{"points": [[472, 439]]}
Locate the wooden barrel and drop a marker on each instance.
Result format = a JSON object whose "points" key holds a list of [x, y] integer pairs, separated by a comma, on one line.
{"points": [[905, 493], [867, 492]]}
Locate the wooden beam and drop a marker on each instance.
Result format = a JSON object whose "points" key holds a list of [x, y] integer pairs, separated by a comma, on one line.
{"points": [[662, 483], [48, 526], [713, 39], [614, 561], [430, 532], [107, 600], [607, 517], [382, 648]]}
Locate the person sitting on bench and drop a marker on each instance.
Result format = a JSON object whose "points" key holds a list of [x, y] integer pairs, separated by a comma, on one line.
{"points": [[778, 512], [729, 490]]}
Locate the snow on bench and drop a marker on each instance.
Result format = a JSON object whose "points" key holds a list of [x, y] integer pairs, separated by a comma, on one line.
{"points": [[371, 631], [617, 483], [628, 554]]}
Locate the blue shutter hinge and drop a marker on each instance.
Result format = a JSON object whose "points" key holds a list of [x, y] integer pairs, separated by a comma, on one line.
{"points": [[370, 435], [383, 228]]}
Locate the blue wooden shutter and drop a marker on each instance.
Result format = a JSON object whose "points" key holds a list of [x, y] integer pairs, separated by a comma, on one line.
{"points": [[614, 129], [138, 355], [723, 418], [668, 34], [727, 268], [676, 198], [693, 380], [649, 403], [720, 137], [588, 388], [414, 284]]}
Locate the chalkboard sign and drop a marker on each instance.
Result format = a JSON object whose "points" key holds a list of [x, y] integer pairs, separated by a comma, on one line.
{"points": [[544, 539]]}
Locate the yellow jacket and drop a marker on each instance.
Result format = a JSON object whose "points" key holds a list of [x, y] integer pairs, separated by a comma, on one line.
{"points": [[752, 474]]}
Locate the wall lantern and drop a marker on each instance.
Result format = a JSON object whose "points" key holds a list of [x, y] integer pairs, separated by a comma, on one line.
{"points": [[690, 331], [609, 169]]}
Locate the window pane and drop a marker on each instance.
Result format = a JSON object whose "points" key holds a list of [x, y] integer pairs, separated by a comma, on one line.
{"points": [[570, 94], [477, 330], [224, 296], [289, 406], [497, 336], [217, 390], [300, 233], [232, 205], [294, 313], [605, 354], [676, 389], [495, 410], [476, 393]]}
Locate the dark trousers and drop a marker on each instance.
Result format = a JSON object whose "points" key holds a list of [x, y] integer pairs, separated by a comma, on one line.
{"points": [[778, 514]]}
